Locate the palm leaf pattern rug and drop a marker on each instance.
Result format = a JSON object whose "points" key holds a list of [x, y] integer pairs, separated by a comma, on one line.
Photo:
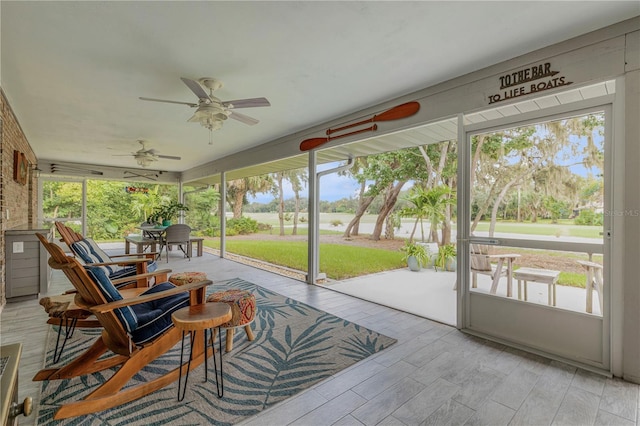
{"points": [[295, 347]]}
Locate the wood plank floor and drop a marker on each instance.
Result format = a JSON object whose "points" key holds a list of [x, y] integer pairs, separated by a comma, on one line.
{"points": [[434, 375]]}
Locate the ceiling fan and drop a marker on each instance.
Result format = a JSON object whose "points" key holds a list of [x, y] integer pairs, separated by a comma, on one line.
{"points": [[145, 156], [211, 111]]}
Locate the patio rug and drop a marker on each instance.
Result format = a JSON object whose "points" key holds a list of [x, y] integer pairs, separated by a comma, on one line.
{"points": [[295, 347]]}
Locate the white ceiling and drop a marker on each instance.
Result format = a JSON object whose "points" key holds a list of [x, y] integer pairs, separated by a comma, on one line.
{"points": [[73, 71]]}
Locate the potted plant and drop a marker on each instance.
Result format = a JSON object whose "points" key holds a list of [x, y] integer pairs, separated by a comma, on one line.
{"points": [[446, 257], [416, 255], [165, 213]]}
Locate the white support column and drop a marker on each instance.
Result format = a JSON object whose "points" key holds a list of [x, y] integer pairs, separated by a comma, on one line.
{"points": [[223, 214], [84, 208], [180, 200], [464, 215], [631, 215], [314, 217]]}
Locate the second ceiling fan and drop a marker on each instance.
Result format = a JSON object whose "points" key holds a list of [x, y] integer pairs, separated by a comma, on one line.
{"points": [[211, 111]]}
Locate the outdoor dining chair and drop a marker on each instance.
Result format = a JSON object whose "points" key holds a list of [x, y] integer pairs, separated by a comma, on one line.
{"points": [[176, 235]]}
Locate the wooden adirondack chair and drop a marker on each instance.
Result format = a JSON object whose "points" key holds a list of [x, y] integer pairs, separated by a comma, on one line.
{"points": [[119, 266], [481, 264], [133, 345]]}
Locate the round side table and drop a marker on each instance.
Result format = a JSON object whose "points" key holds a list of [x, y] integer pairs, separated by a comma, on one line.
{"points": [[204, 317]]}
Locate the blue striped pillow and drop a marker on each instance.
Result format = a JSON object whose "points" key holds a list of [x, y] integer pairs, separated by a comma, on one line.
{"points": [[83, 250], [126, 315]]}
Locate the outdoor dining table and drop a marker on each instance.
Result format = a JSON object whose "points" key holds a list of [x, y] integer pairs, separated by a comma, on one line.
{"points": [[154, 232]]}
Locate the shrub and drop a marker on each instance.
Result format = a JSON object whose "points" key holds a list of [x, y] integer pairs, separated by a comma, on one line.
{"points": [[242, 226], [336, 222], [588, 217], [264, 227]]}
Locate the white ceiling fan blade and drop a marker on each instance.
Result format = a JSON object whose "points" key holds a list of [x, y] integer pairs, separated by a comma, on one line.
{"points": [[169, 157], [191, 104], [243, 118], [247, 103], [195, 88]]}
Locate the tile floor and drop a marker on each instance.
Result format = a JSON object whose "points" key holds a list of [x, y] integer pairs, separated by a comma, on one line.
{"points": [[433, 375]]}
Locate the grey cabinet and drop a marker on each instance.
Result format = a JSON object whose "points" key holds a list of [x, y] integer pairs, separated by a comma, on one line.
{"points": [[27, 270]]}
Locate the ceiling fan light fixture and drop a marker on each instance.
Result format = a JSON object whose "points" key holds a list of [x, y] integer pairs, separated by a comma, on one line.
{"points": [[144, 161], [212, 112], [211, 124]]}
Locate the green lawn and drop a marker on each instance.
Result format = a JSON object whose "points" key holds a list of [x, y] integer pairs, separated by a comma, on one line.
{"points": [[339, 261]]}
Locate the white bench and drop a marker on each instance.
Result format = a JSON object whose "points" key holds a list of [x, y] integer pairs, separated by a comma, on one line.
{"points": [[544, 276]]}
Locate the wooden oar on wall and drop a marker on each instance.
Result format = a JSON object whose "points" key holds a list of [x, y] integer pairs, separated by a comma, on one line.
{"points": [[308, 144], [401, 111]]}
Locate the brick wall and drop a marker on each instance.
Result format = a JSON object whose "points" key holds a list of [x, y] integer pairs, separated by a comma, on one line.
{"points": [[20, 200]]}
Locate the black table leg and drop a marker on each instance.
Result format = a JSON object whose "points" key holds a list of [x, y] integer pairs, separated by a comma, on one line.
{"points": [[69, 328], [219, 379], [186, 378]]}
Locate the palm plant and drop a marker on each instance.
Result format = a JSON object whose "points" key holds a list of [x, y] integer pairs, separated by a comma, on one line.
{"points": [[428, 204], [436, 201], [417, 198]]}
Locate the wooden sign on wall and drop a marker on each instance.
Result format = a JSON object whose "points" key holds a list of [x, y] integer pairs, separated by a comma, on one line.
{"points": [[20, 167], [533, 79]]}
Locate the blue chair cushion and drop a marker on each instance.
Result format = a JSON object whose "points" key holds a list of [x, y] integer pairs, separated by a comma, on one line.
{"points": [[144, 321], [126, 315], [154, 318], [87, 250], [82, 249], [98, 253]]}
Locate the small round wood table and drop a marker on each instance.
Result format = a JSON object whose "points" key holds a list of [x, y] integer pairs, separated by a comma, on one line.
{"points": [[204, 317]]}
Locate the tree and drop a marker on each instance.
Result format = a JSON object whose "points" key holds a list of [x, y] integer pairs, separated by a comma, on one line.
{"points": [[62, 199], [390, 198], [238, 189], [278, 191], [203, 207], [537, 160], [387, 174], [298, 179], [143, 203], [364, 198]]}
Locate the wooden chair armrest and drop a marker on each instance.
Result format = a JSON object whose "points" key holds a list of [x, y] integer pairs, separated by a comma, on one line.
{"points": [[119, 263], [137, 277], [132, 292], [587, 263], [100, 309], [132, 255]]}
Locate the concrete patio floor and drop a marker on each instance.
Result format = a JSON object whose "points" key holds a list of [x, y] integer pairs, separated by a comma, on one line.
{"points": [[430, 294]]}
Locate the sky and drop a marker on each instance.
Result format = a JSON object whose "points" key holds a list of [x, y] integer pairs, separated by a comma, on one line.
{"points": [[332, 187]]}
